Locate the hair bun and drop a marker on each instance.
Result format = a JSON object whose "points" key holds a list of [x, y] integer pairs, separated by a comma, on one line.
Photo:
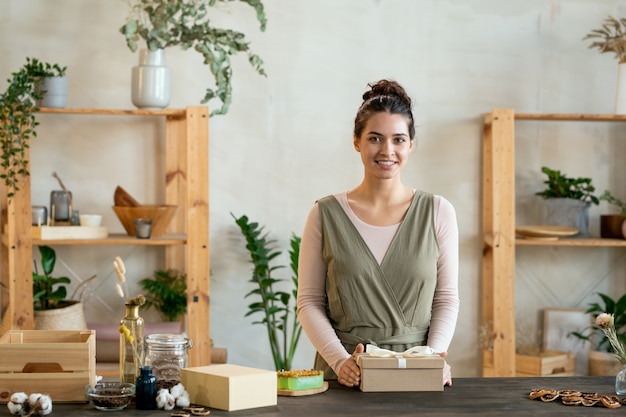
{"points": [[387, 88]]}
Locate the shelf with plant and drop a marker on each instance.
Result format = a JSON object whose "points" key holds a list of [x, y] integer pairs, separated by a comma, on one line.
{"points": [[18, 124]]}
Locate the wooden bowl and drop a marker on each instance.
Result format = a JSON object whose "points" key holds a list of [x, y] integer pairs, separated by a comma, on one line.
{"points": [[161, 216]]}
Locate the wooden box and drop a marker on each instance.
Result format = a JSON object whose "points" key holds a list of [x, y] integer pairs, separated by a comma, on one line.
{"points": [[55, 362], [230, 387], [547, 363], [420, 373]]}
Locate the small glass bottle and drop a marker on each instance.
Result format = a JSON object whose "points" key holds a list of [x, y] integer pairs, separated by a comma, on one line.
{"points": [[146, 389], [131, 353], [167, 354]]}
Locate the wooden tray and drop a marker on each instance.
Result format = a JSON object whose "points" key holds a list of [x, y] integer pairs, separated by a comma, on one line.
{"points": [[302, 392], [69, 232], [545, 232]]}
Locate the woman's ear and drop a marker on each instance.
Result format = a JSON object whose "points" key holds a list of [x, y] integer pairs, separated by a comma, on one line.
{"points": [[356, 144]]}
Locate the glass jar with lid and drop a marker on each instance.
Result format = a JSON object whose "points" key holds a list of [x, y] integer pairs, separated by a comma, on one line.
{"points": [[167, 354]]}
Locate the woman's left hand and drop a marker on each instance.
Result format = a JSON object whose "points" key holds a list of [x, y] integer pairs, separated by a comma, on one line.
{"points": [[447, 371]]}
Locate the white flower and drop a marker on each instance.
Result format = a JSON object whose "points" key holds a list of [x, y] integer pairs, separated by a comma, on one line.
{"points": [[183, 400], [177, 390]]}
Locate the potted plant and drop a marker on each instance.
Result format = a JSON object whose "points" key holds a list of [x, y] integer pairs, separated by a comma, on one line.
{"points": [[612, 225], [166, 291], [18, 105], [611, 38], [602, 360], [568, 200], [164, 23], [52, 308], [274, 305]]}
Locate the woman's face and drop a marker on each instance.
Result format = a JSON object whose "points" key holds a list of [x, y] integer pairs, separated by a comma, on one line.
{"points": [[384, 145]]}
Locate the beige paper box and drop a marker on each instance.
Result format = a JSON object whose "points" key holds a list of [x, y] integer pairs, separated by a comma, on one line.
{"points": [[230, 387], [397, 373]]}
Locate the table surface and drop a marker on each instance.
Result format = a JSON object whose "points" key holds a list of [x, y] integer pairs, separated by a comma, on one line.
{"points": [[468, 396]]}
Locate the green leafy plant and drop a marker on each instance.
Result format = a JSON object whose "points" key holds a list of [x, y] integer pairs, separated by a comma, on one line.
{"points": [[561, 186], [612, 38], [164, 23], [166, 291], [48, 293], [594, 334], [274, 305], [609, 198], [18, 105]]}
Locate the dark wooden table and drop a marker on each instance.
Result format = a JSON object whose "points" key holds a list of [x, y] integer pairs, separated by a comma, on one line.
{"points": [[468, 396]]}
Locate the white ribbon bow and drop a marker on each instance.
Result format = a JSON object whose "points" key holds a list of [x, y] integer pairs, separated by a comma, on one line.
{"points": [[414, 352], [409, 353]]}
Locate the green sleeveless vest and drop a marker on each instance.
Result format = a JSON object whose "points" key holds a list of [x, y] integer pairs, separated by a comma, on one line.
{"points": [[390, 304]]}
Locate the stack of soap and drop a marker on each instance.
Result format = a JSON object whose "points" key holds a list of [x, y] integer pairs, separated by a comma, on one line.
{"points": [[300, 379]]}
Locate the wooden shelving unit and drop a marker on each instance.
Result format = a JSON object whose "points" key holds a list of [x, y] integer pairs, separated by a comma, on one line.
{"points": [[499, 240], [186, 242]]}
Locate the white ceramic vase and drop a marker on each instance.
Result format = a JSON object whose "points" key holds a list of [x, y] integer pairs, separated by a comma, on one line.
{"points": [[620, 98], [150, 81]]}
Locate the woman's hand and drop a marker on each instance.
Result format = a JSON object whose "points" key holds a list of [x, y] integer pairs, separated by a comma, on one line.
{"points": [[350, 373], [447, 371]]}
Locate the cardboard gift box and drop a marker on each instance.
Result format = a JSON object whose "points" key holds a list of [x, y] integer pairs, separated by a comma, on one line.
{"points": [[230, 387], [400, 373], [56, 362]]}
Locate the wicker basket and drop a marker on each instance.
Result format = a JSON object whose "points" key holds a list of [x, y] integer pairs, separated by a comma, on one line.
{"points": [[161, 217], [71, 317]]}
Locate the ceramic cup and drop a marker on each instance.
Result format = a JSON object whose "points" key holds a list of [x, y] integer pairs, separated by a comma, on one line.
{"points": [[143, 228], [91, 220]]}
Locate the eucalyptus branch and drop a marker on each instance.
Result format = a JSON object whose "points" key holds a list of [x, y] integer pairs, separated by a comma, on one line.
{"points": [[164, 23], [612, 37]]}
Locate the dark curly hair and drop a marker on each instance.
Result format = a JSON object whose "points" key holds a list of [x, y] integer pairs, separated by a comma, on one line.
{"points": [[384, 96]]}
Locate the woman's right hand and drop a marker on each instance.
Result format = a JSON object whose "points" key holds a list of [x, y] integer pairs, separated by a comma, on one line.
{"points": [[350, 373]]}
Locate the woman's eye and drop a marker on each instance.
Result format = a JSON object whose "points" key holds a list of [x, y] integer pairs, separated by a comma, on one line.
{"points": [[374, 139]]}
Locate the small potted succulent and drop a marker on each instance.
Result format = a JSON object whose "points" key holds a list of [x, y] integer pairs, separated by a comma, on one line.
{"points": [[568, 200], [612, 226]]}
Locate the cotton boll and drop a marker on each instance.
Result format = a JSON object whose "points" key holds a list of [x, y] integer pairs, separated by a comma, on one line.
{"points": [[171, 402], [45, 404], [177, 390], [16, 408], [33, 398], [183, 400], [162, 398], [19, 398], [18, 404]]}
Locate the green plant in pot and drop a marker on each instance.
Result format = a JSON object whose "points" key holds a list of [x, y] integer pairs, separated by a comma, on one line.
{"points": [[166, 291], [602, 360], [18, 106], [274, 305], [52, 307], [567, 200], [186, 23], [613, 226]]}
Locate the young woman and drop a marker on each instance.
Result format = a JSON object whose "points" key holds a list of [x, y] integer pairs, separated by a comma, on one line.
{"points": [[379, 263]]}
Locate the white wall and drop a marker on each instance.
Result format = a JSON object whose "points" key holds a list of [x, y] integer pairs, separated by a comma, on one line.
{"points": [[287, 138]]}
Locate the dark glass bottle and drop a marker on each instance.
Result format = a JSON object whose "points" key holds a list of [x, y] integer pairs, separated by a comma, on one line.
{"points": [[146, 389]]}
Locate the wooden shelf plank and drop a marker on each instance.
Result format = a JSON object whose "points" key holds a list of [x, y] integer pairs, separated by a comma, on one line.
{"points": [[573, 117], [116, 112], [581, 242]]}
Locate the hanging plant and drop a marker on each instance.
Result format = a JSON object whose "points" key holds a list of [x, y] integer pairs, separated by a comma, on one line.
{"points": [[164, 23], [17, 118]]}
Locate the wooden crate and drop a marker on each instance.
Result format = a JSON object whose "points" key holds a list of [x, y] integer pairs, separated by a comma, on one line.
{"points": [[547, 363], [55, 362]]}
